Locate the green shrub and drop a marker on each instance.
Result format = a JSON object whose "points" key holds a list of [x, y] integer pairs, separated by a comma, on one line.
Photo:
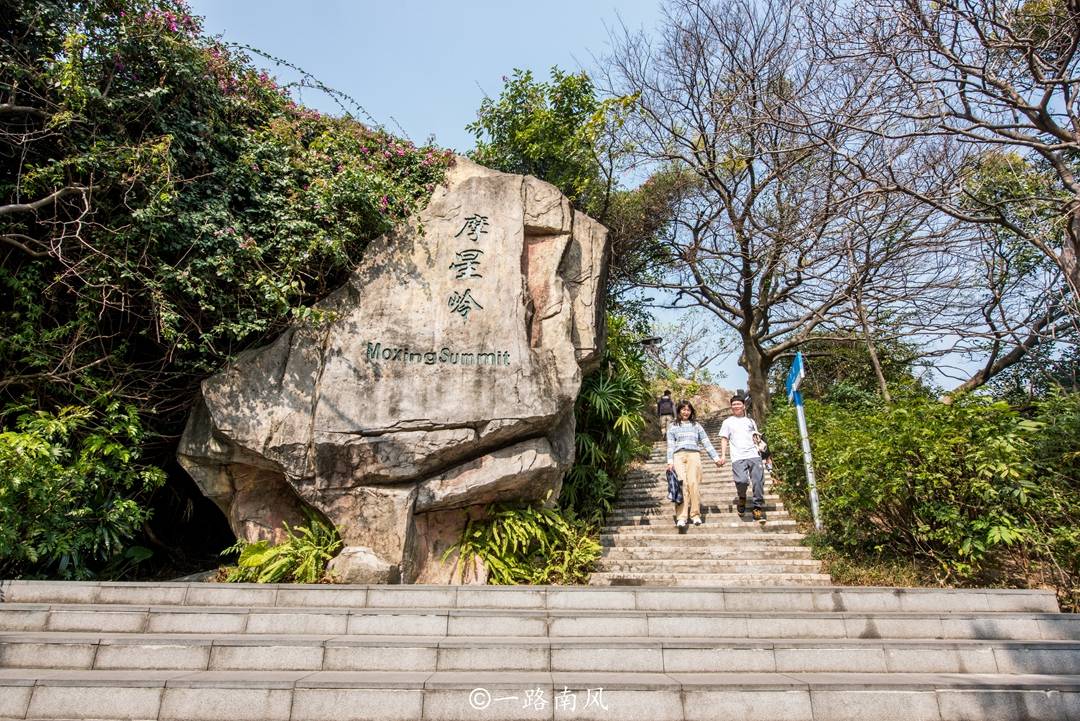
{"points": [[1056, 510], [528, 545], [72, 490], [610, 418], [300, 558], [982, 493]]}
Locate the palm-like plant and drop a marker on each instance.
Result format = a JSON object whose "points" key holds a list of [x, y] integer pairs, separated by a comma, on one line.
{"points": [[610, 417]]}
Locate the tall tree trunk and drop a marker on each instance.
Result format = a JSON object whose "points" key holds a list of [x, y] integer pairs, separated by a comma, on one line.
{"points": [[757, 366], [872, 349], [1069, 258]]}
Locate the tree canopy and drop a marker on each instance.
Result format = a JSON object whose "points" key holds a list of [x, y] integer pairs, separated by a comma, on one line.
{"points": [[164, 204]]}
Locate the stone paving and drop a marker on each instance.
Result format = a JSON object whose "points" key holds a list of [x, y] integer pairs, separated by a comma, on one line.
{"points": [[642, 545], [753, 637], [197, 652]]}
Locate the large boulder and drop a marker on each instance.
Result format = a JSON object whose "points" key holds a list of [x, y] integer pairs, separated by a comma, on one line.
{"points": [[440, 378]]}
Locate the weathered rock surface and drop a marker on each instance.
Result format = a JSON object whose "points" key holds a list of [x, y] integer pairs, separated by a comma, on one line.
{"points": [[444, 379]]}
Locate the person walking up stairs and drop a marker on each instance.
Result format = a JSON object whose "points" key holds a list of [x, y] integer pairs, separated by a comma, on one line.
{"points": [[642, 547]]}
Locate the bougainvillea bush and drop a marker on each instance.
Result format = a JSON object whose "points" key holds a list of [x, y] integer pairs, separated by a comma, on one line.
{"points": [[164, 204]]}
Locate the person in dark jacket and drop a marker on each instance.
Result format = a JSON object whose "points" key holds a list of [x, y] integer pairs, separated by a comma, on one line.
{"points": [[665, 408]]}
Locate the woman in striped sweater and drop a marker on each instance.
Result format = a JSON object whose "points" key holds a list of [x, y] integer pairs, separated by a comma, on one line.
{"points": [[685, 439]]}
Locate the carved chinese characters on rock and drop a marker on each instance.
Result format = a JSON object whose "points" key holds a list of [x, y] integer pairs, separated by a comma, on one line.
{"points": [[466, 265]]}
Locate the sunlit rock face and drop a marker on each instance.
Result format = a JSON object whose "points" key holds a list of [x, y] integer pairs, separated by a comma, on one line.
{"points": [[442, 378]]}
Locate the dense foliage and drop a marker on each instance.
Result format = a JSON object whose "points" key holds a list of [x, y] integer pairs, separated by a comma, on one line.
{"points": [[980, 492], [72, 490], [554, 131], [300, 558], [610, 418], [163, 205], [526, 545]]}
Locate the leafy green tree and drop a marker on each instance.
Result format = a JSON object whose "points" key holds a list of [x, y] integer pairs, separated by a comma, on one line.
{"points": [[558, 131], [164, 205], [72, 492]]}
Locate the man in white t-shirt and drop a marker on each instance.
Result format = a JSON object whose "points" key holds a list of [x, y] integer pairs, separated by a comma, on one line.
{"points": [[741, 433]]}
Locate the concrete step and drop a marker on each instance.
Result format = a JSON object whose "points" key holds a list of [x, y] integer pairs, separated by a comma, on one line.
{"points": [[654, 483], [648, 578], [667, 508], [486, 622], [665, 515], [747, 552], [644, 536], [715, 492], [443, 696], [746, 525], [42, 596], [713, 477], [114, 652], [709, 505], [710, 566], [717, 495]]}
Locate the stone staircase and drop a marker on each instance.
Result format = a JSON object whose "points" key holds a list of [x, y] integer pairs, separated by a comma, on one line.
{"points": [[201, 652], [643, 547]]}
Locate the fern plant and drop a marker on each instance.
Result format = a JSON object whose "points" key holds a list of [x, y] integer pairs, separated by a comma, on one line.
{"points": [[301, 558], [527, 545]]}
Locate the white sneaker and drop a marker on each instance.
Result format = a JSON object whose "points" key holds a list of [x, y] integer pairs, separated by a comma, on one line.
{"points": [[697, 521], [680, 523]]}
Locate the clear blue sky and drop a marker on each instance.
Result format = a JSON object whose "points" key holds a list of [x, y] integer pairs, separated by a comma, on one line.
{"points": [[424, 63]]}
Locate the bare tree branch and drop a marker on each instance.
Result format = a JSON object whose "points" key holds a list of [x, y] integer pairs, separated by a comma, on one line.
{"points": [[37, 205]]}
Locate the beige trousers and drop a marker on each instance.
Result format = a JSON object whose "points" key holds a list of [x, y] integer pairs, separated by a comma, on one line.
{"points": [[688, 468], [665, 421]]}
